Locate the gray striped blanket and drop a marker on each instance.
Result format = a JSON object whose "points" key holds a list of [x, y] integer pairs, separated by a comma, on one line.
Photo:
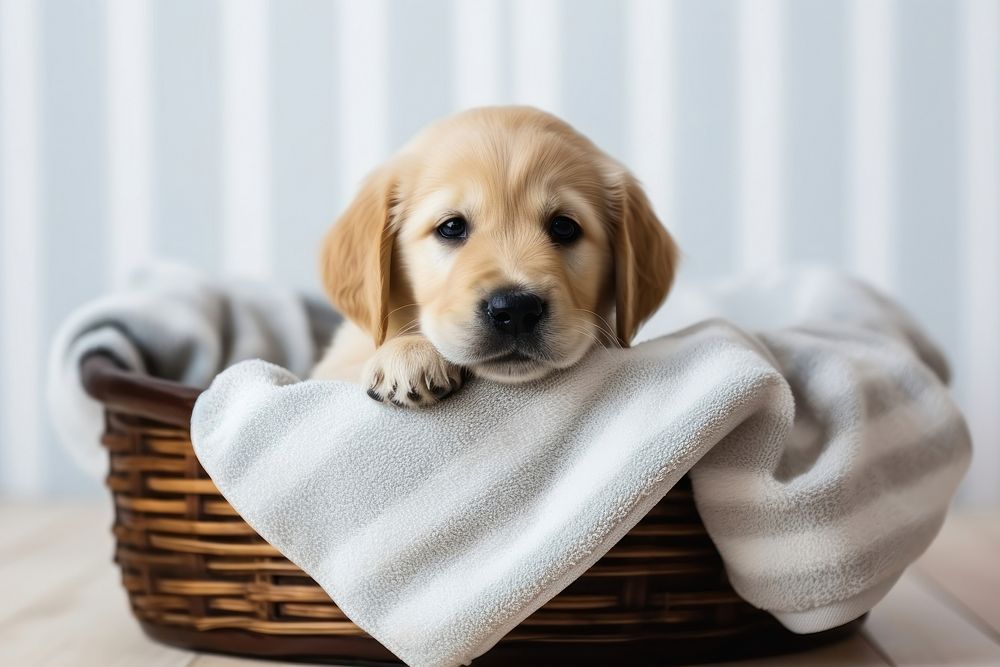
{"points": [[811, 413], [817, 519], [824, 449]]}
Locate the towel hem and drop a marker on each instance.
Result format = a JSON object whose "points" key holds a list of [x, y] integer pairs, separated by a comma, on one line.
{"points": [[835, 614]]}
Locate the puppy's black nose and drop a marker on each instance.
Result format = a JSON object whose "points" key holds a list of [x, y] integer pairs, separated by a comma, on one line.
{"points": [[514, 313]]}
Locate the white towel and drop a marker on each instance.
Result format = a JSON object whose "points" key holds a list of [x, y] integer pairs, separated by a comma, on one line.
{"points": [[179, 324], [823, 449]]}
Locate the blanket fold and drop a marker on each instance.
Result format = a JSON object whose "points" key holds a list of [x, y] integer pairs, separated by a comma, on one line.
{"points": [[176, 323], [811, 413]]}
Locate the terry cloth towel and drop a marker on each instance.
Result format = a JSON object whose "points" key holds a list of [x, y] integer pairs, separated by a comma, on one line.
{"points": [[823, 449], [179, 324]]}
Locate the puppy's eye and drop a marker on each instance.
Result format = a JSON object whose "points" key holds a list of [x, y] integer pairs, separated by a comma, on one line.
{"points": [[564, 230], [453, 229]]}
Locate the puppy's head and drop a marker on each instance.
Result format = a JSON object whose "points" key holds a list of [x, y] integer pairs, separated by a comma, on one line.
{"points": [[507, 239]]}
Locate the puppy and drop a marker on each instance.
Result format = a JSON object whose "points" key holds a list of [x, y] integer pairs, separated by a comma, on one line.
{"points": [[500, 243]]}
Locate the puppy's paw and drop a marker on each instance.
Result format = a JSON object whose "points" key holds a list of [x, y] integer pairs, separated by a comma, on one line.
{"points": [[409, 372]]}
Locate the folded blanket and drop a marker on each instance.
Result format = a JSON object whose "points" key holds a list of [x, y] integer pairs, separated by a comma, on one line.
{"points": [[823, 449], [176, 323]]}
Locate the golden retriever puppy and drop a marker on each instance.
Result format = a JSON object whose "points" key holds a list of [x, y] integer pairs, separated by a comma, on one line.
{"points": [[499, 242]]}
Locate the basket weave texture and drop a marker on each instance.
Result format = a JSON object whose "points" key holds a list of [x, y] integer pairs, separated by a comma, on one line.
{"points": [[197, 575]]}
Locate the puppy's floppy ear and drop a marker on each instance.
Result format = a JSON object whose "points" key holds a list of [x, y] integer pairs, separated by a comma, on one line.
{"points": [[645, 261], [356, 255]]}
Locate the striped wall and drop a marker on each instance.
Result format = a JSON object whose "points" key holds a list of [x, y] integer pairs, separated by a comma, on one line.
{"points": [[228, 134]]}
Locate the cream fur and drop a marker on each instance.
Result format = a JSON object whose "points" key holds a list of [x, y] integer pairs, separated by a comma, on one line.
{"points": [[414, 300]]}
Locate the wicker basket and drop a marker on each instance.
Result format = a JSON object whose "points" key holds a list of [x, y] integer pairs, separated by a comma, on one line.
{"points": [[199, 577]]}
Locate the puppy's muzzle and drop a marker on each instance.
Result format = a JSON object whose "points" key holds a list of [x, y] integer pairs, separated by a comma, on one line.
{"points": [[513, 313]]}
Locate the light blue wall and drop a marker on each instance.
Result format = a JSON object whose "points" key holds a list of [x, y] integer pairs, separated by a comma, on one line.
{"points": [[186, 125], [304, 146], [305, 106], [927, 187], [74, 163], [817, 130], [706, 124]]}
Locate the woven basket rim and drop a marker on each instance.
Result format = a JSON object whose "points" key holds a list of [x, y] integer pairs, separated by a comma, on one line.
{"points": [[107, 380]]}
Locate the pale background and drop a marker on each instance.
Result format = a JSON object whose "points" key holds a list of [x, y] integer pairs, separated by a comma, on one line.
{"points": [[229, 134]]}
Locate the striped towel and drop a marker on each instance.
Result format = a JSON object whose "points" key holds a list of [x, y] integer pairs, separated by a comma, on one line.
{"points": [[818, 525], [821, 439]]}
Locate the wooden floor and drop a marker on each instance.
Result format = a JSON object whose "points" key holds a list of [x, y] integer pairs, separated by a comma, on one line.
{"points": [[61, 602]]}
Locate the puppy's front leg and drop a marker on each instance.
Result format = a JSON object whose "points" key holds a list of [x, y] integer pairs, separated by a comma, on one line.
{"points": [[409, 372]]}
